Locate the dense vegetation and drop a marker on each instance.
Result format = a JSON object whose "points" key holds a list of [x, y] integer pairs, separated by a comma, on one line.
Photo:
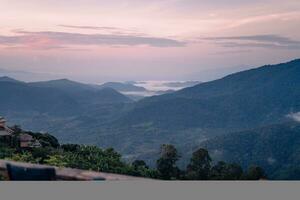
{"points": [[275, 148], [108, 160]]}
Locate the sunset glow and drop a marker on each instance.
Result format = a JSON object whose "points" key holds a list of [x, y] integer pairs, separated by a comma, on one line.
{"points": [[96, 41]]}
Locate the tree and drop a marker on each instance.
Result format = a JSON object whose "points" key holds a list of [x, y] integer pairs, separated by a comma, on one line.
{"points": [[17, 129], [225, 171], [70, 147], [255, 173], [41, 153], [56, 160], [137, 164], [166, 164], [6, 152], [199, 167], [140, 168], [24, 157]]}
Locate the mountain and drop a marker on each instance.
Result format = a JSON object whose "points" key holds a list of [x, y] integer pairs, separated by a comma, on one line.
{"points": [[20, 97], [61, 106], [84, 93], [8, 79], [182, 84], [275, 148], [129, 89], [27, 75], [241, 101], [123, 87]]}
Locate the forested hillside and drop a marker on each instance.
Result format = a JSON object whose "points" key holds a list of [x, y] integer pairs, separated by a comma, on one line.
{"points": [[276, 148], [51, 152]]}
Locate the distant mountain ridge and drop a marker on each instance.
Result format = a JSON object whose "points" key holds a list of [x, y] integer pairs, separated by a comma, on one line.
{"points": [[8, 79], [241, 101], [123, 87], [42, 105], [84, 93], [245, 99]]}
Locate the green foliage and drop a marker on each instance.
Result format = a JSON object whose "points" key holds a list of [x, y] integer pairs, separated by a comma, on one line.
{"points": [[108, 160], [166, 164], [139, 164], [6, 152], [70, 147], [255, 173], [275, 148], [45, 139], [94, 158], [24, 157], [56, 160], [199, 168], [225, 171]]}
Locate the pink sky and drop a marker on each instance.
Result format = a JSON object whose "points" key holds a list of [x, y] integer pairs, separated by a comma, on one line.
{"points": [[95, 40]]}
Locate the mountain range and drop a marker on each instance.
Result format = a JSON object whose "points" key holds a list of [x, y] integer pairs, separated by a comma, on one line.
{"points": [[188, 118], [240, 101]]}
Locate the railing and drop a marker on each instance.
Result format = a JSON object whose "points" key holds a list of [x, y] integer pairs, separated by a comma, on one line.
{"points": [[68, 174]]}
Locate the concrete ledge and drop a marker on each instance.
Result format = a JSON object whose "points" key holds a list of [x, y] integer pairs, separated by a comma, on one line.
{"points": [[68, 174]]}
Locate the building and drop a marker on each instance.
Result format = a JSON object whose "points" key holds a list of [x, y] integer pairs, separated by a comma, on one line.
{"points": [[27, 141], [5, 132], [2, 122]]}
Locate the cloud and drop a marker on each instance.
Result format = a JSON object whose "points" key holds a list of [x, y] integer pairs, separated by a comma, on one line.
{"points": [[90, 27], [232, 52], [49, 40], [106, 29], [286, 16], [256, 41], [294, 116]]}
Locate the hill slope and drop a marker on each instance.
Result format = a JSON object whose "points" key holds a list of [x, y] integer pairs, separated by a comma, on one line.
{"points": [[276, 148], [123, 87], [84, 93], [242, 100], [62, 106]]}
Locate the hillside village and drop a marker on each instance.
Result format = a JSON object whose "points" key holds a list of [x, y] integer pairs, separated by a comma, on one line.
{"points": [[14, 138]]}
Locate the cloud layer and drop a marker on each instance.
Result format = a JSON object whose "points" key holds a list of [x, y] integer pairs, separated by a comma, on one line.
{"points": [[295, 116], [259, 41], [51, 39]]}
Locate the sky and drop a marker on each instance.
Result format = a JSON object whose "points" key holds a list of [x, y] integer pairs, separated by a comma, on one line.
{"points": [[120, 40]]}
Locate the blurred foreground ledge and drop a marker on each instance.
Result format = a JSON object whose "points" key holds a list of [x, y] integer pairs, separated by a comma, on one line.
{"points": [[62, 174]]}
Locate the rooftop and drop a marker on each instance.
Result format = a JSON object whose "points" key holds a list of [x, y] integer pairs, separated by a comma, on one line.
{"points": [[3, 132], [2, 119]]}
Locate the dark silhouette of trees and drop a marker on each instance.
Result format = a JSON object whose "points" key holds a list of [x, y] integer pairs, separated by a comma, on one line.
{"points": [[139, 164], [166, 164], [255, 173], [108, 160], [225, 171], [199, 167]]}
